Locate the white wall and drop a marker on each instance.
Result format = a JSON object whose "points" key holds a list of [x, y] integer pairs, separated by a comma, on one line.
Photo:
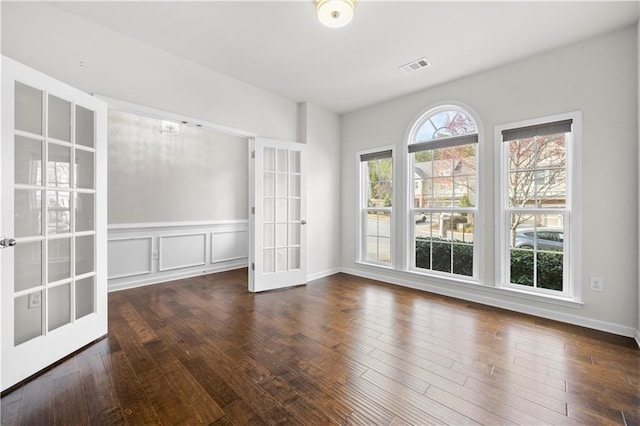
{"points": [[598, 77], [199, 175], [113, 65], [320, 130]]}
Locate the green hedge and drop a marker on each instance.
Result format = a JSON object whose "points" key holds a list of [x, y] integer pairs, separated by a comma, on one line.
{"points": [[549, 269], [439, 251]]}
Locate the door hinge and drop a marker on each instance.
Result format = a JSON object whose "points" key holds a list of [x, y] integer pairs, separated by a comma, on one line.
{"points": [[253, 210], [253, 154], [253, 266]]}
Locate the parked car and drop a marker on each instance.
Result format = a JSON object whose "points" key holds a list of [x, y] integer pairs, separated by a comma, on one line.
{"points": [[548, 239], [421, 218]]}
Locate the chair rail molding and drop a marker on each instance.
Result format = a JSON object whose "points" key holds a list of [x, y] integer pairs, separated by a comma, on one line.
{"points": [[149, 253]]}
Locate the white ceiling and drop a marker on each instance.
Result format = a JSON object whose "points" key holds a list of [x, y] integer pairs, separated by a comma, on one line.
{"points": [[281, 47]]}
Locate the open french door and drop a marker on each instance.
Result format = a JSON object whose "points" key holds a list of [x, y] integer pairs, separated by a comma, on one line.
{"points": [[52, 221], [277, 253]]}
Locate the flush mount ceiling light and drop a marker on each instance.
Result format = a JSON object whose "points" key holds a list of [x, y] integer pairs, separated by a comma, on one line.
{"points": [[335, 13]]}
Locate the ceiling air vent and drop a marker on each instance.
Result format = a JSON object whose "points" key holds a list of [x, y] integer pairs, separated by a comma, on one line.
{"points": [[415, 65]]}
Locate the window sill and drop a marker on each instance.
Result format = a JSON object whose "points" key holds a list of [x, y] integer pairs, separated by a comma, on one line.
{"points": [[545, 298], [376, 265], [457, 284]]}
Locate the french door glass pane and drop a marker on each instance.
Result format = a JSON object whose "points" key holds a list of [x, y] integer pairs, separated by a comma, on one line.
{"points": [[58, 170], [282, 160], [294, 161], [281, 210], [28, 109], [269, 184], [281, 259], [269, 210], [84, 207], [59, 302], [59, 119], [281, 235], [268, 260], [85, 296], [59, 261], [268, 235], [294, 258], [269, 159], [28, 161], [294, 234], [294, 209], [281, 185], [59, 212], [294, 186], [84, 254], [27, 265], [84, 169], [85, 134], [27, 319], [27, 213]]}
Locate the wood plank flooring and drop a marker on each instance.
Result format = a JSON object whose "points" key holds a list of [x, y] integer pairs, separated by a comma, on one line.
{"points": [[341, 350]]}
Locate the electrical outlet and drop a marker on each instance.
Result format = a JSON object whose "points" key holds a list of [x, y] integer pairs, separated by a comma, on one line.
{"points": [[35, 300], [596, 284]]}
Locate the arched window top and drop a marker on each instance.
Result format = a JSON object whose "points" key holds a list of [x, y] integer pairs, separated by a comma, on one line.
{"points": [[443, 122]]}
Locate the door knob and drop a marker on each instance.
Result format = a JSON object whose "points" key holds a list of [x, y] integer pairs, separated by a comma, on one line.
{"points": [[7, 242]]}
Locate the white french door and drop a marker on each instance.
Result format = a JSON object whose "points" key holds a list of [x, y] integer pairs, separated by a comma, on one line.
{"points": [[52, 221], [277, 254]]}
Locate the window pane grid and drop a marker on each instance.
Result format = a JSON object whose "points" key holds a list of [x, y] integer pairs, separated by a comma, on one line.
{"points": [[443, 240], [376, 207], [536, 212], [47, 143], [443, 160]]}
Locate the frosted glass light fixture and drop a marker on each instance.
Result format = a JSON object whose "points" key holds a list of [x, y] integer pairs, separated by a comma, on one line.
{"points": [[335, 13], [171, 128]]}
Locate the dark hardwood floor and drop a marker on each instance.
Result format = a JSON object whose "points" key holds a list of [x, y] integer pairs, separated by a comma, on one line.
{"points": [[341, 350]]}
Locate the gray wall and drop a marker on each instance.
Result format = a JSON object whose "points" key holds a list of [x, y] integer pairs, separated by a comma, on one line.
{"points": [[199, 175], [320, 130], [598, 77]]}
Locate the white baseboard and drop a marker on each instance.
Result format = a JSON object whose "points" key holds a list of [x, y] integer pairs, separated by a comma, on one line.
{"points": [[637, 337], [322, 274], [157, 279], [510, 305]]}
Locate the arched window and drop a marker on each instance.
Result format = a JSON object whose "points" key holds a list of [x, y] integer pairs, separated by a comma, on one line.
{"points": [[443, 162]]}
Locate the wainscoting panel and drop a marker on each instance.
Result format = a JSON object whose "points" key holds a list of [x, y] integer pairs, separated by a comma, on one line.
{"points": [[128, 257], [182, 251], [149, 253], [229, 245]]}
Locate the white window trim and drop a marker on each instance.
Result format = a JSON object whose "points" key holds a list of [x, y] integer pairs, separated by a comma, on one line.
{"points": [[407, 191], [360, 249], [574, 215]]}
